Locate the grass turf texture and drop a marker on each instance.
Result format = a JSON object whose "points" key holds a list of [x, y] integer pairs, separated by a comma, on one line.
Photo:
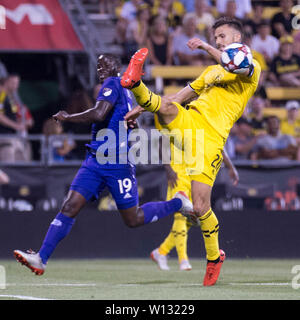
{"points": [[131, 279]]}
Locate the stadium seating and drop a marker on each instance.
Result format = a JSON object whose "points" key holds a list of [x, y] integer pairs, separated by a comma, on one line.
{"points": [[162, 73]]}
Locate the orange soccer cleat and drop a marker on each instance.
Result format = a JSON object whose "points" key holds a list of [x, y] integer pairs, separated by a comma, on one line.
{"points": [[134, 71], [213, 270]]}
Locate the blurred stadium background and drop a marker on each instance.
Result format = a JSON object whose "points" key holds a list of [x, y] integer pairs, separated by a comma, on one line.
{"points": [[48, 53]]}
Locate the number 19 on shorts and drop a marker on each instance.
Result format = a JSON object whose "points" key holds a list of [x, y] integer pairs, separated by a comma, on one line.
{"points": [[125, 185]]}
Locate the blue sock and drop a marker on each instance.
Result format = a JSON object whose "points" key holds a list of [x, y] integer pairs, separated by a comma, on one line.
{"points": [[154, 211], [58, 229]]}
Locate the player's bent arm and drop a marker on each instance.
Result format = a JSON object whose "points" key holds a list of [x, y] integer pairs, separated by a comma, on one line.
{"points": [[98, 113], [196, 43], [184, 95]]}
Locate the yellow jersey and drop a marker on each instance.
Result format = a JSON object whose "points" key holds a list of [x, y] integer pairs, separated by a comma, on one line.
{"points": [[223, 96], [290, 129]]}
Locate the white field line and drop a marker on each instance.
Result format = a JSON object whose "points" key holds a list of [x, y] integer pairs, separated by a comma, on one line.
{"points": [[51, 284], [285, 284], [22, 297], [260, 284]]}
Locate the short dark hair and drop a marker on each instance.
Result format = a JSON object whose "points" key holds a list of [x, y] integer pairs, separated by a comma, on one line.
{"points": [[233, 23], [112, 62], [271, 117]]}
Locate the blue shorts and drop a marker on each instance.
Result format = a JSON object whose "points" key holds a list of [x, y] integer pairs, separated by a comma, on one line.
{"points": [[92, 178]]}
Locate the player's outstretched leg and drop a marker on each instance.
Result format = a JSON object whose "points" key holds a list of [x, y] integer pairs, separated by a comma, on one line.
{"points": [[32, 260], [134, 71], [131, 79], [153, 211], [58, 230]]}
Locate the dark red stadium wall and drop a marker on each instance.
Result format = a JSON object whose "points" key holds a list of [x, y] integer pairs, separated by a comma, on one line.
{"points": [[243, 234]]}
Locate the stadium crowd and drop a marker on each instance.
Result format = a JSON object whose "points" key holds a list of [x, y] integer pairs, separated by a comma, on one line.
{"points": [[164, 27]]}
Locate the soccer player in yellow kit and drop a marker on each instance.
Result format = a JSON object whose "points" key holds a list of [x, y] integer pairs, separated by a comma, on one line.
{"points": [[178, 180], [220, 99]]}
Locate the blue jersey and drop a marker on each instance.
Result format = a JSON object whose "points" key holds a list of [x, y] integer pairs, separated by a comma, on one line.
{"points": [[110, 137]]}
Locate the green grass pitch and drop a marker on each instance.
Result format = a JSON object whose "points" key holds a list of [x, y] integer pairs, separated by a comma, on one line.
{"points": [[140, 279]]}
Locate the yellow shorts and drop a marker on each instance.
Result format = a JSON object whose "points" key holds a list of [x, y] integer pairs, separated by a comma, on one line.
{"points": [[201, 145], [183, 184]]}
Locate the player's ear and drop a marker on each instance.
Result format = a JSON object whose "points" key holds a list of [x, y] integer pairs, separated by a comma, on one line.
{"points": [[237, 37]]}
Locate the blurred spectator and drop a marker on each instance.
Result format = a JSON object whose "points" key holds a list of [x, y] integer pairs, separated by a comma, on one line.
{"points": [[275, 145], [256, 17], [243, 7], [244, 139], [108, 6], [182, 54], [12, 148], [230, 9], [285, 68], [130, 9], [128, 13], [12, 84], [264, 42], [136, 32], [60, 144], [205, 20], [281, 22], [4, 178], [257, 118], [172, 10], [248, 36], [291, 125], [296, 46], [159, 42], [190, 5]]}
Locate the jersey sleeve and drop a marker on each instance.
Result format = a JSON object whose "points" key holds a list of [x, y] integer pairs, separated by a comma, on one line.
{"points": [[109, 91], [199, 84]]}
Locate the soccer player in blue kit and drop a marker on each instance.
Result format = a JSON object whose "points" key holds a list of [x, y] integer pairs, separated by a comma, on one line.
{"points": [[112, 104]]}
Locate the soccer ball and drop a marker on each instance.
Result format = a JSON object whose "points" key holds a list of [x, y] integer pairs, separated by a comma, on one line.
{"points": [[236, 58]]}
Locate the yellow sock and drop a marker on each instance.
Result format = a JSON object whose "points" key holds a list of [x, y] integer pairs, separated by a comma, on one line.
{"points": [[146, 98], [167, 245], [176, 238], [210, 229]]}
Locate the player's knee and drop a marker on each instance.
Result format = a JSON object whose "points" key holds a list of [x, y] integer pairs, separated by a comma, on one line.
{"points": [[201, 206], [70, 208]]}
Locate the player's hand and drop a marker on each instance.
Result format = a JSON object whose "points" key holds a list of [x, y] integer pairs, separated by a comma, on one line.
{"points": [[234, 176], [61, 116], [196, 43], [133, 114], [131, 124]]}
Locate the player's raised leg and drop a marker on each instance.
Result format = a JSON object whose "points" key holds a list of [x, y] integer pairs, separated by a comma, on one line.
{"points": [[58, 230], [147, 99]]}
